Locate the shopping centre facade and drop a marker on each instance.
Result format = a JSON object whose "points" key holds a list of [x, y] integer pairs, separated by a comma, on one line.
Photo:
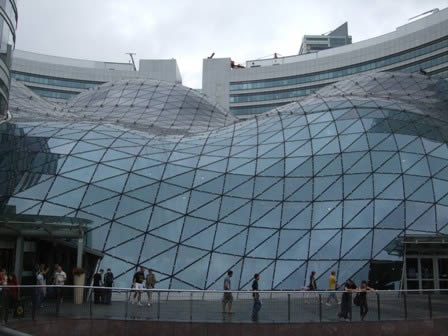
{"points": [[352, 178]]}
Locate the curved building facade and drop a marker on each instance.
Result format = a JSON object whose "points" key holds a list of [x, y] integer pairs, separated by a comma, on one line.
{"points": [[339, 180], [419, 46], [8, 24], [58, 79]]}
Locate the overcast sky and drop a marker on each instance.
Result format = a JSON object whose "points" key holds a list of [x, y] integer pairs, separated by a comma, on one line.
{"points": [[190, 30]]}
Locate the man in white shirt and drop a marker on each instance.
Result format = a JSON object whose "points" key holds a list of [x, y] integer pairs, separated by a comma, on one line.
{"points": [[59, 280]]}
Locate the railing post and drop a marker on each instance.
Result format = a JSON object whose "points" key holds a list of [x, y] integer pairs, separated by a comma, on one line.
{"points": [[126, 306], [289, 307], [90, 307], [405, 302], [320, 307], [430, 306], [378, 304], [158, 305], [191, 306], [36, 294], [58, 299]]}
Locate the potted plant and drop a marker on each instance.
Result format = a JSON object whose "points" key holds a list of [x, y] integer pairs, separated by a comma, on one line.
{"points": [[79, 278]]}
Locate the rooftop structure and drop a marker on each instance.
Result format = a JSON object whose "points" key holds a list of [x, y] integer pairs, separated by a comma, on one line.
{"points": [[336, 38]]}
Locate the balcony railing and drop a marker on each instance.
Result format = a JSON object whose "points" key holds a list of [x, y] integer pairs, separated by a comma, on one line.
{"points": [[206, 305]]}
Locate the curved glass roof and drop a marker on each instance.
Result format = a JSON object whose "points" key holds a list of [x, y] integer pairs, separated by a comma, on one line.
{"points": [[325, 183]]}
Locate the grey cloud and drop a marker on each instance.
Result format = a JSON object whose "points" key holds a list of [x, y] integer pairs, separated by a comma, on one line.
{"points": [[191, 30]]}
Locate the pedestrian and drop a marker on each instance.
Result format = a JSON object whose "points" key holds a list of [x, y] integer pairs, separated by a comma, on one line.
{"points": [[108, 283], [312, 286], [14, 291], [97, 283], [150, 284], [41, 290], [362, 295], [332, 285], [137, 284], [5, 296], [346, 301], [227, 299], [256, 296], [59, 280]]}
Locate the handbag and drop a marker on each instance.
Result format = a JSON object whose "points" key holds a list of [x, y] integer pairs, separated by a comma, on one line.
{"points": [[357, 300], [19, 312]]}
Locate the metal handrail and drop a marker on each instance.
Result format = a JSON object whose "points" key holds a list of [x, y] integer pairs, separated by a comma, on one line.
{"points": [[325, 291], [194, 305]]}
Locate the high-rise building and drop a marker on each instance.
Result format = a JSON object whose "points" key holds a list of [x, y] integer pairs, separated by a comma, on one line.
{"points": [[336, 38], [418, 46], [8, 24]]}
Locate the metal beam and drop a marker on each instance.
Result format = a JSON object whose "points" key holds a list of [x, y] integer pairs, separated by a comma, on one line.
{"points": [[18, 265], [79, 252], [41, 234]]}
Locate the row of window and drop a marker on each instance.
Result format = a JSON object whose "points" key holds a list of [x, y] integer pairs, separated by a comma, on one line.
{"points": [[330, 74], [275, 95], [254, 109], [415, 67], [40, 79], [53, 93]]}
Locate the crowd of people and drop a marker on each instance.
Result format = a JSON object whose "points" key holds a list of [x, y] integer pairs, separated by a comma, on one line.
{"points": [[145, 279], [9, 297], [345, 313]]}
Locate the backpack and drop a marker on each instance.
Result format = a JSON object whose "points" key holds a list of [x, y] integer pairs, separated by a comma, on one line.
{"points": [[108, 279]]}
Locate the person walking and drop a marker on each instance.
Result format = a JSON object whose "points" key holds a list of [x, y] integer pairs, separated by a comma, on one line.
{"points": [[312, 286], [97, 283], [150, 284], [108, 283], [40, 291], [362, 295], [59, 280], [227, 299], [346, 301], [5, 295], [13, 291], [332, 285], [256, 296], [137, 284]]}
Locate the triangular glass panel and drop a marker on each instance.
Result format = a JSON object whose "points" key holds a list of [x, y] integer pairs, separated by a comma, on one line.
{"points": [[284, 268], [138, 220], [170, 231]]}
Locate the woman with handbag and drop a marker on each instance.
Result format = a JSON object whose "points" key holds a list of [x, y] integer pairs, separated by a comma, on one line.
{"points": [[346, 301], [362, 299]]}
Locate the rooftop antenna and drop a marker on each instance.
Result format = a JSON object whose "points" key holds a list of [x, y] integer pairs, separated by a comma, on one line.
{"points": [[132, 59], [432, 11]]}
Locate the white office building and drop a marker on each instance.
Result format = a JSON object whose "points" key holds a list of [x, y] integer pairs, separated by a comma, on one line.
{"points": [[60, 78], [419, 46]]}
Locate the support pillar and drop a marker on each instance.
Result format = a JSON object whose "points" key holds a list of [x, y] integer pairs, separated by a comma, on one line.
{"points": [[80, 251], [18, 264]]}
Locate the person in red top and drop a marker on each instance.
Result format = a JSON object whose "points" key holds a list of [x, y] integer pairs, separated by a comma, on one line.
{"points": [[14, 292], [3, 295]]}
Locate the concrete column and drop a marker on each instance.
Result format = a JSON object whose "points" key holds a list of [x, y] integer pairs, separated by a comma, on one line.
{"points": [[80, 251], [18, 265]]}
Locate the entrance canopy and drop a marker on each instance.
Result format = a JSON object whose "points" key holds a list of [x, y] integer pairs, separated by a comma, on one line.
{"points": [[36, 226], [422, 244]]}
